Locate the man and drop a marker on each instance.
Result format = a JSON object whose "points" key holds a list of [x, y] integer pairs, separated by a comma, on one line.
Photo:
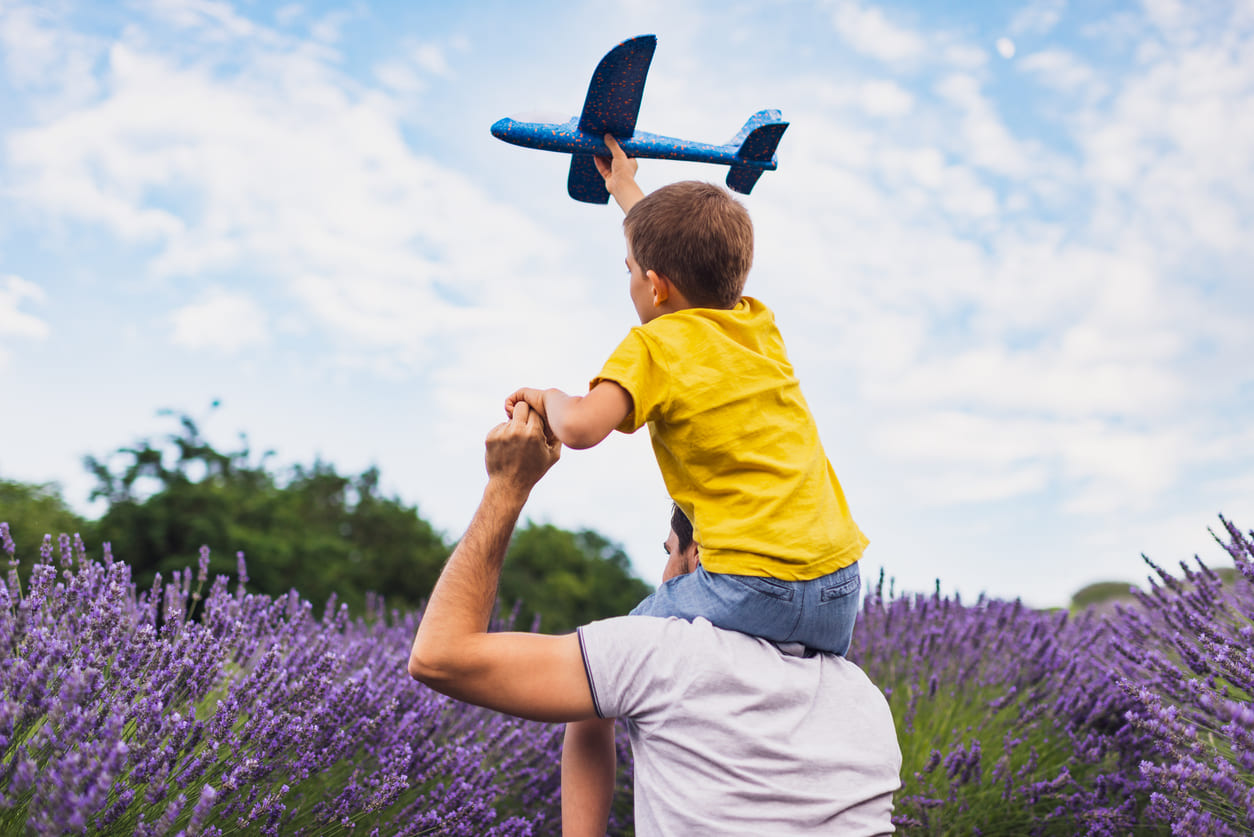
{"points": [[730, 734]]}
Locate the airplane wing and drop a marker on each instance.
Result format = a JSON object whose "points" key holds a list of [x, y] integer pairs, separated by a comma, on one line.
{"points": [[611, 107], [613, 100], [585, 183]]}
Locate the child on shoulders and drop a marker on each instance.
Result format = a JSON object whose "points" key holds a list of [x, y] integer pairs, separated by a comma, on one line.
{"points": [[738, 448]]}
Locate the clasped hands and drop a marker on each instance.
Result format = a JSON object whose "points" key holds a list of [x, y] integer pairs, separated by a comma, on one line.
{"points": [[521, 450]]}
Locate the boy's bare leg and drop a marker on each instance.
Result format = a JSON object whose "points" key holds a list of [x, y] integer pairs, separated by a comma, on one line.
{"points": [[589, 762]]}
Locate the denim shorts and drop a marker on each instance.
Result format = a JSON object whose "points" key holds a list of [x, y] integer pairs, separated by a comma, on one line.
{"points": [[818, 613]]}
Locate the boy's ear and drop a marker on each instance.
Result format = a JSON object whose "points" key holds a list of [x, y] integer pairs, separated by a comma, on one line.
{"points": [[661, 286]]}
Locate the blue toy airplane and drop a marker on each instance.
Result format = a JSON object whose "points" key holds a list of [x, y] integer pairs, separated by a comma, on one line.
{"points": [[611, 107]]}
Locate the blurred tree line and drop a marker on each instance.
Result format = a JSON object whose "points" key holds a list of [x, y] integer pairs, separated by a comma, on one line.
{"points": [[309, 528]]}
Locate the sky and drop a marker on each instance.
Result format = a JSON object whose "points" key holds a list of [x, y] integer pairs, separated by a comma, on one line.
{"points": [[1010, 247]]}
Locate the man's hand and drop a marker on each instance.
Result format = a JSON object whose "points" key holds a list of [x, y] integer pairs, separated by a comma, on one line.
{"points": [[620, 174], [521, 451]]}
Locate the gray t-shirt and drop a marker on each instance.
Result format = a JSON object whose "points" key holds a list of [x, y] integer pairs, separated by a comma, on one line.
{"points": [[733, 735]]}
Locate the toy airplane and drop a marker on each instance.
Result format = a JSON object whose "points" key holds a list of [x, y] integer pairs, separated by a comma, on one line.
{"points": [[611, 107]]}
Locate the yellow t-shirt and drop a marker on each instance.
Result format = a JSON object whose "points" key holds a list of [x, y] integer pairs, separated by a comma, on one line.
{"points": [[737, 445]]}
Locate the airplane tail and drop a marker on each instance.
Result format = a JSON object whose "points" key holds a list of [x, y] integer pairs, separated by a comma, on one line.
{"points": [[756, 141]]}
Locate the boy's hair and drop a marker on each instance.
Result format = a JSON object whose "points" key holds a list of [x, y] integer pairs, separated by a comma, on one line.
{"points": [[698, 236], [681, 526]]}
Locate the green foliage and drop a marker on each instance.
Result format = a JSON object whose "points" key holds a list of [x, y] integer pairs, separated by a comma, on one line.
{"points": [[323, 533], [35, 510], [570, 578], [316, 531], [1108, 592], [960, 721], [1100, 593]]}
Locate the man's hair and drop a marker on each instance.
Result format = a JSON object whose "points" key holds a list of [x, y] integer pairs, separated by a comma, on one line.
{"points": [[682, 527], [698, 236]]}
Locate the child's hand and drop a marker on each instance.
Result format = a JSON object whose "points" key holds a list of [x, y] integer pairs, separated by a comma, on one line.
{"points": [[619, 168], [533, 398], [577, 421], [620, 174]]}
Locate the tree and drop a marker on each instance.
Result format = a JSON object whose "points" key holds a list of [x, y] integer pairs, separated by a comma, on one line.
{"points": [[321, 532], [317, 531], [385, 545], [1101, 593], [33, 510], [568, 578]]}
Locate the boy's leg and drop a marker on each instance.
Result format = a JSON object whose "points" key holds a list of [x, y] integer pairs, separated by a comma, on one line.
{"points": [[819, 614], [764, 607], [829, 608]]}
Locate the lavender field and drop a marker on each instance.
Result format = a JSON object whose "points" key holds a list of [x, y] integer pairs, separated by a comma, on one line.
{"points": [[197, 708]]}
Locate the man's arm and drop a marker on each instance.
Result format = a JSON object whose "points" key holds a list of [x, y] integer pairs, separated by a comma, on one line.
{"points": [[578, 421], [588, 765], [529, 675]]}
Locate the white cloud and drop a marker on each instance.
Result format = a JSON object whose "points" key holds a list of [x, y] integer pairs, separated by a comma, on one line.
{"points": [[1062, 70], [886, 98], [13, 321], [969, 484], [221, 320], [1007, 357], [400, 77], [288, 14], [326, 29], [283, 170], [869, 31], [955, 189], [1173, 150], [1172, 17], [1038, 17], [430, 57], [989, 142], [1029, 307], [41, 55], [963, 56], [221, 17], [409, 75]]}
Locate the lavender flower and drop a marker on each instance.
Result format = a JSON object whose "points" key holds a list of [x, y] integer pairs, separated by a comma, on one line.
{"points": [[117, 706], [120, 706], [6, 541]]}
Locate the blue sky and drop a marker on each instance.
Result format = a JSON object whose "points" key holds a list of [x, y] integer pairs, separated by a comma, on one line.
{"points": [[1009, 247]]}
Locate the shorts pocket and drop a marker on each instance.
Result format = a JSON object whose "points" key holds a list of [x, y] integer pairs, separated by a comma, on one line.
{"points": [[848, 587], [765, 586]]}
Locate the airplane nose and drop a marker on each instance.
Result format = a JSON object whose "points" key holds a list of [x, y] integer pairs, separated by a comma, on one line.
{"points": [[501, 128]]}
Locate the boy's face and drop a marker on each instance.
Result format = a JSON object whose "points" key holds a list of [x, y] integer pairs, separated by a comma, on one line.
{"points": [[640, 289]]}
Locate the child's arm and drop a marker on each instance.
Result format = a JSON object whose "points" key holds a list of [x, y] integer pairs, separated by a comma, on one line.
{"points": [[588, 765], [577, 421], [620, 175]]}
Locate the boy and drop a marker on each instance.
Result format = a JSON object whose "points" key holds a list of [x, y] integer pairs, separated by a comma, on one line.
{"points": [[737, 446]]}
